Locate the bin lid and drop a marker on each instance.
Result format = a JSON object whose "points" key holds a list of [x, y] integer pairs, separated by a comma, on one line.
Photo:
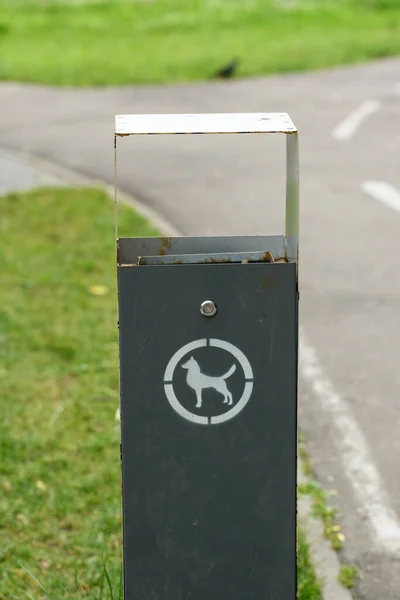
{"points": [[145, 124]]}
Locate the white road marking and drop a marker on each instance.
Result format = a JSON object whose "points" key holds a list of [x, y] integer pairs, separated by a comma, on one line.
{"points": [[352, 448], [396, 88], [346, 128], [382, 191]]}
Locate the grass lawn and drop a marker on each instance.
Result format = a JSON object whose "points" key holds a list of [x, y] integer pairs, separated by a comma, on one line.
{"points": [[59, 460], [59, 440], [142, 41]]}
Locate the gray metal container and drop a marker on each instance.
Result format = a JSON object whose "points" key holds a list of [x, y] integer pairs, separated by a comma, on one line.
{"points": [[208, 365]]}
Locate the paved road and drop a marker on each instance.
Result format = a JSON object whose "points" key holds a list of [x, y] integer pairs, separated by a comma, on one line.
{"points": [[350, 288], [21, 175]]}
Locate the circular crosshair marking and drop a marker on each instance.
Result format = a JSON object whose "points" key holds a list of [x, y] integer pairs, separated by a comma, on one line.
{"points": [[198, 381]]}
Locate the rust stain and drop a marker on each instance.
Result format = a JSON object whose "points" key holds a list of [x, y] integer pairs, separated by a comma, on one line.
{"points": [[267, 257], [266, 283], [166, 242], [212, 261], [215, 260]]}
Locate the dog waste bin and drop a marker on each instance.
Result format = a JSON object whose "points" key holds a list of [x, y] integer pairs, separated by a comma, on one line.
{"points": [[208, 369]]}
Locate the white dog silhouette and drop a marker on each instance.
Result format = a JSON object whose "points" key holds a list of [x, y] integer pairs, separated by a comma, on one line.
{"points": [[199, 382]]}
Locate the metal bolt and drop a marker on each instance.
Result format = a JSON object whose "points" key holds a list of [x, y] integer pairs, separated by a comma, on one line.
{"points": [[208, 308]]}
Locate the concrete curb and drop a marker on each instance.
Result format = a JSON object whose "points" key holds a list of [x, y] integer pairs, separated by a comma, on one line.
{"points": [[45, 173], [324, 558], [48, 174]]}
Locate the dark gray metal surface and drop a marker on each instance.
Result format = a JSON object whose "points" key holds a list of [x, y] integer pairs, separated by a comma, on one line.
{"points": [[209, 507]]}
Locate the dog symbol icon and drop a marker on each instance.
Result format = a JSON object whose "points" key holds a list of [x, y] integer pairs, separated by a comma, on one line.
{"points": [[198, 381]]}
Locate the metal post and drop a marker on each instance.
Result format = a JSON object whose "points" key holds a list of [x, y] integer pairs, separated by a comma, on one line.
{"points": [[292, 196], [208, 331]]}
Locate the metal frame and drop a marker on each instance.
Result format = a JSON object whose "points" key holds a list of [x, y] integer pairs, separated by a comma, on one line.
{"points": [[130, 250], [198, 259]]}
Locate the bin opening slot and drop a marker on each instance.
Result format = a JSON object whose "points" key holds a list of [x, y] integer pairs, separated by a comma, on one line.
{"points": [[208, 258], [130, 250]]}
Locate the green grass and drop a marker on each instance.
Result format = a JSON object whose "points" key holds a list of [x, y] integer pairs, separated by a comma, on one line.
{"points": [[146, 41], [59, 460], [320, 501], [309, 588], [60, 491], [348, 576]]}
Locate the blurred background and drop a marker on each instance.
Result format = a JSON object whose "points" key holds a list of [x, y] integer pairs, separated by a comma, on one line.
{"points": [[90, 42], [66, 68]]}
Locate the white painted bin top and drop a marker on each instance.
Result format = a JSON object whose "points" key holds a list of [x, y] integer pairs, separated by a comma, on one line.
{"points": [[147, 124]]}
